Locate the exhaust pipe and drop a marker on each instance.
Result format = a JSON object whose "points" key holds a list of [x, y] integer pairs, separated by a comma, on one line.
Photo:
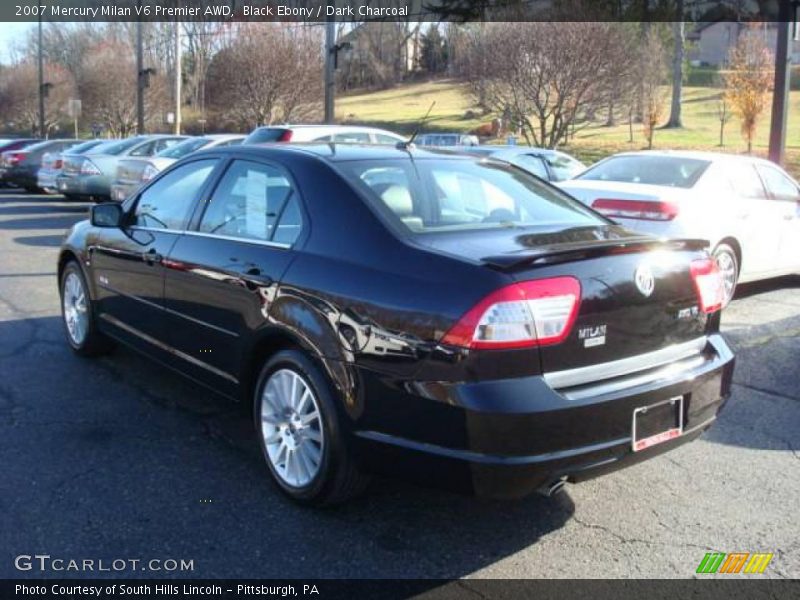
{"points": [[554, 487]]}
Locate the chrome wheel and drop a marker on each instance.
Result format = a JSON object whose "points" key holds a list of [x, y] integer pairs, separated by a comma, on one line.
{"points": [[726, 262], [76, 313], [291, 426]]}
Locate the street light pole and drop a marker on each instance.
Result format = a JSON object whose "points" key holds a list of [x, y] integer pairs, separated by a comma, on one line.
{"points": [[139, 78], [330, 56], [41, 83], [178, 77], [780, 96]]}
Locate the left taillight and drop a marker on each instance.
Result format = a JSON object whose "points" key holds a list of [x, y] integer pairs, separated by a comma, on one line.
{"points": [[645, 210], [12, 158], [520, 315], [708, 283]]}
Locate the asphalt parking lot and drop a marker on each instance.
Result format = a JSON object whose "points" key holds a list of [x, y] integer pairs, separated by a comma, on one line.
{"points": [[119, 458]]}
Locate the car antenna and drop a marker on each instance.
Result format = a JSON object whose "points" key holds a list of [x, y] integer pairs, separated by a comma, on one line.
{"points": [[410, 143]]}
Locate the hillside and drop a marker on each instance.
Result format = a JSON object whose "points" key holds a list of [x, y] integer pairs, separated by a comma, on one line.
{"points": [[401, 107]]}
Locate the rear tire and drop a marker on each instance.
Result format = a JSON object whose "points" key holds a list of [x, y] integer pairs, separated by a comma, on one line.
{"points": [[300, 434], [728, 264], [32, 189], [77, 313]]}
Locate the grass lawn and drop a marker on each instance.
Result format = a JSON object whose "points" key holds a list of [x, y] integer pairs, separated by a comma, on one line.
{"points": [[400, 108]]}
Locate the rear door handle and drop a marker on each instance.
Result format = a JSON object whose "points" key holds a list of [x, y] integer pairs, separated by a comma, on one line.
{"points": [[254, 277], [151, 257]]}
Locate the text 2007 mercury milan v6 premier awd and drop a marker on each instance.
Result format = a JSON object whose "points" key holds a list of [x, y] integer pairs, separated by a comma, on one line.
{"points": [[448, 319]]}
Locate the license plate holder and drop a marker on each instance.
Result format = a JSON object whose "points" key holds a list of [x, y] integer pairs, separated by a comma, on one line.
{"points": [[657, 423]]}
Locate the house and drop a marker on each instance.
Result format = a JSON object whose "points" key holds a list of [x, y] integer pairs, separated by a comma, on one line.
{"points": [[712, 41]]}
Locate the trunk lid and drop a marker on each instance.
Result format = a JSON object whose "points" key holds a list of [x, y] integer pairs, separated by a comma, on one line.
{"points": [[637, 292], [587, 191]]}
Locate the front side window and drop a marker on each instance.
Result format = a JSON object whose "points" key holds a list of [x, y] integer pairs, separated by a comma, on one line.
{"points": [[673, 171], [168, 202], [253, 201], [780, 186], [439, 195]]}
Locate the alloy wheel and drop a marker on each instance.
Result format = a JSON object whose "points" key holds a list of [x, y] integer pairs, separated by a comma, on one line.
{"points": [[76, 313], [291, 426], [727, 266]]}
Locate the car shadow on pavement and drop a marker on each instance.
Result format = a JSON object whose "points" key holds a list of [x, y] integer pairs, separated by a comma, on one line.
{"points": [[118, 457], [47, 241]]}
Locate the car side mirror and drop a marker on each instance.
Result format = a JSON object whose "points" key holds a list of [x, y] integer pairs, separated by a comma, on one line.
{"points": [[107, 215]]}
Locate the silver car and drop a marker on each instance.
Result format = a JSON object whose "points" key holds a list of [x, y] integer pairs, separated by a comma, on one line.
{"points": [[133, 172]]}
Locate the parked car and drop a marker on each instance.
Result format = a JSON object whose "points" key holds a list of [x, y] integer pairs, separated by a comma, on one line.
{"points": [[438, 140], [342, 134], [52, 163], [20, 167], [7, 145], [95, 171], [552, 165], [133, 172], [437, 316], [746, 207]]}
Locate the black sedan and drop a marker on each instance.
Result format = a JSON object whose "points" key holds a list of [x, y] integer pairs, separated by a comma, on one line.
{"points": [[444, 318]]}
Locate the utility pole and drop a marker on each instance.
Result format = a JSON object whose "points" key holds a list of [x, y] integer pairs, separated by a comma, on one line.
{"points": [[178, 77], [780, 96], [41, 83], [139, 78], [330, 57]]}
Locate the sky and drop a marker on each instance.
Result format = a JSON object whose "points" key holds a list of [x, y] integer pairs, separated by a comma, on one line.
{"points": [[10, 34]]}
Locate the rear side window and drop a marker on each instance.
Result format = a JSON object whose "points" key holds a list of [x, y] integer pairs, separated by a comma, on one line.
{"points": [[168, 202], [462, 195], [671, 171], [144, 150], [352, 137], [780, 186], [746, 181], [382, 138], [564, 167], [532, 164], [253, 201]]}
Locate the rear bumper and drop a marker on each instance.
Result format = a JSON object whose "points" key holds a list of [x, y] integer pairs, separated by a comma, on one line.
{"points": [[490, 443], [21, 176], [84, 185], [46, 179], [122, 189]]}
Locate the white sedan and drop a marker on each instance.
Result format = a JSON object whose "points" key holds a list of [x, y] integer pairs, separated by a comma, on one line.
{"points": [[747, 208]]}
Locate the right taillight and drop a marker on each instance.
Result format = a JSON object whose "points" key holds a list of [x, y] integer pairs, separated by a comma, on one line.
{"points": [[89, 168], [520, 315], [708, 283], [286, 136], [645, 210], [12, 158]]}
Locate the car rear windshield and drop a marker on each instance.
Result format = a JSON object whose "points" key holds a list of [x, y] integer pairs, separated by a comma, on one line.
{"points": [[81, 148], [671, 171], [563, 167], [121, 146], [265, 134], [184, 148], [436, 195]]}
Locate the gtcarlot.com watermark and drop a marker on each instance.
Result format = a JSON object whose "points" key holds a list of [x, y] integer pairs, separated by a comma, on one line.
{"points": [[44, 563]]}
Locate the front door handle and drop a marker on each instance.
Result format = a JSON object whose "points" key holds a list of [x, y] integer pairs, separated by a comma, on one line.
{"points": [[151, 257], [254, 277]]}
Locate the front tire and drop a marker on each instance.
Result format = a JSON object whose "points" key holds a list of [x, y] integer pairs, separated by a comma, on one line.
{"points": [[78, 315], [299, 432], [728, 264]]}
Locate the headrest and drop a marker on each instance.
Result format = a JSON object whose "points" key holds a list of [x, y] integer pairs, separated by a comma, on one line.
{"points": [[397, 198]]}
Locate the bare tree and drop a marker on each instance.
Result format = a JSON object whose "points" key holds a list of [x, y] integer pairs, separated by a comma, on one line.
{"points": [[20, 91], [269, 73], [748, 81], [545, 76], [652, 72]]}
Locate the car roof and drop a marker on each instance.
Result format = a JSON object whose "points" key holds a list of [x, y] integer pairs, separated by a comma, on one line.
{"points": [[325, 127], [221, 136], [333, 152]]}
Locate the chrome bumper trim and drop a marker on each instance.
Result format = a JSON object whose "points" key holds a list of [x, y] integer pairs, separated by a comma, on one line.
{"points": [[625, 366]]}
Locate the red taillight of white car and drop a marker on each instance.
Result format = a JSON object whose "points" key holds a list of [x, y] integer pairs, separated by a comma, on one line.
{"points": [[521, 315], [89, 168], [644, 210], [708, 283]]}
